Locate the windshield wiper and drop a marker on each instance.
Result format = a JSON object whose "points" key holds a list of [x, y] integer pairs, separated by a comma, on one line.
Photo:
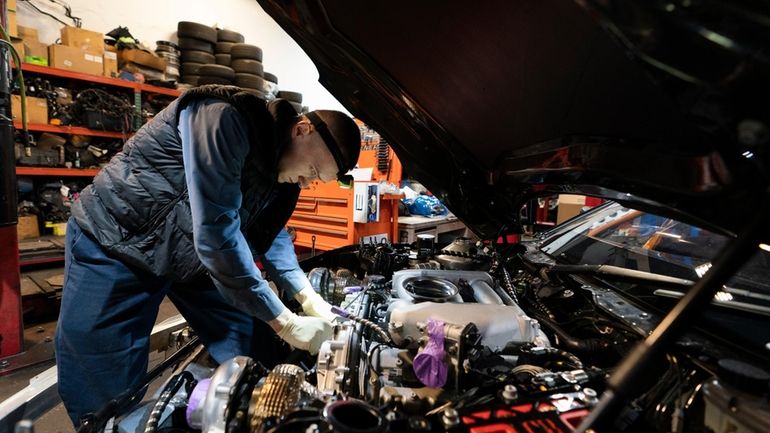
{"points": [[620, 273]]}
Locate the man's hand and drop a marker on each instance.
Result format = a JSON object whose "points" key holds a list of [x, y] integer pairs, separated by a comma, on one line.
{"points": [[304, 333], [314, 305]]}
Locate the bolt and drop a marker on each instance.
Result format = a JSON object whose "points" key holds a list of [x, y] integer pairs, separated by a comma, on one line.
{"points": [[39, 329], [590, 396], [4, 364], [568, 294], [399, 362], [419, 424], [510, 393], [451, 417], [48, 339], [413, 395]]}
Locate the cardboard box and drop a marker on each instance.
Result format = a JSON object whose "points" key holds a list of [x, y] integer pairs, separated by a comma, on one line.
{"points": [[27, 227], [12, 28], [142, 58], [28, 33], [37, 109], [35, 52], [84, 39], [569, 206], [75, 59], [18, 45], [110, 64]]}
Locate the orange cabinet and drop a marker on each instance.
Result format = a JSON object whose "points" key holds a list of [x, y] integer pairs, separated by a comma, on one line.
{"points": [[325, 211]]}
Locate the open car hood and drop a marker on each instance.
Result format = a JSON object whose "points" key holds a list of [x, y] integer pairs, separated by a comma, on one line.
{"points": [[657, 106]]}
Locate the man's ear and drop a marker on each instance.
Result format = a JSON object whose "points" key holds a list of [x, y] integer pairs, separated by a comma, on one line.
{"points": [[302, 128]]}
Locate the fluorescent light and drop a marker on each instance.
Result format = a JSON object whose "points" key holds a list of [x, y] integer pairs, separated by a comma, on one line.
{"points": [[723, 296], [765, 247], [701, 269]]}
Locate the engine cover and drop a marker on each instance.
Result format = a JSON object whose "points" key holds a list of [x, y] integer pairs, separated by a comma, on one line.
{"points": [[497, 325]]}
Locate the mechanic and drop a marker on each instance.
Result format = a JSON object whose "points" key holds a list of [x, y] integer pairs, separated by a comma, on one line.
{"points": [[181, 211]]}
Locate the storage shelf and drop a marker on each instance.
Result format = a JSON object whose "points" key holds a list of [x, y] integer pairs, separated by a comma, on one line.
{"points": [[75, 130], [149, 88], [63, 73], [56, 171]]}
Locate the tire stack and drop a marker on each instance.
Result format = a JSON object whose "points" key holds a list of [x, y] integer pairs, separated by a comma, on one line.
{"points": [[294, 98], [170, 52], [225, 40], [246, 61], [196, 43], [271, 85]]}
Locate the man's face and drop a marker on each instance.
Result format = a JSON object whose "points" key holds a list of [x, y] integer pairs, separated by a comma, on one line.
{"points": [[307, 158]]}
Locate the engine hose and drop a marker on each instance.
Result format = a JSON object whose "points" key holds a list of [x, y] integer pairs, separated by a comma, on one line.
{"points": [[554, 353], [366, 323], [171, 388], [508, 285], [572, 343]]}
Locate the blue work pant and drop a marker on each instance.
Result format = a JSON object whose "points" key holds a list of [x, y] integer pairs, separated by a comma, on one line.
{"points": [[107, 312]]}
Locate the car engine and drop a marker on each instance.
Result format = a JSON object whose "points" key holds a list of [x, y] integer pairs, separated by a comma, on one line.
{"points": [[468, 338]]}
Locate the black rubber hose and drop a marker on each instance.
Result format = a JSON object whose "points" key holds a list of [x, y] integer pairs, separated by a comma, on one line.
{"points": [[170, 389], [587, 345]]}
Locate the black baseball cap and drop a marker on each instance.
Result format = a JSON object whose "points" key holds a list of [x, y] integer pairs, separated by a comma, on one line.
{"points": [[344, 180]]}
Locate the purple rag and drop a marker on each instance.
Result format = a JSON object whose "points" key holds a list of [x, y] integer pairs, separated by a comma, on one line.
{"points": [[197, 396], [429, 365]]}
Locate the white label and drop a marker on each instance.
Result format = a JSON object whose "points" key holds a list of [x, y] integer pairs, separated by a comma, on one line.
{"points": [[68, 63], [109, 55]]}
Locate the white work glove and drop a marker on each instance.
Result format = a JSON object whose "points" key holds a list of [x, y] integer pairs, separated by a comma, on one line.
{"points": [[314, 305], [305, 333]]}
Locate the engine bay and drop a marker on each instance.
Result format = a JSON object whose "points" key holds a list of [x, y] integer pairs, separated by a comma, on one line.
{"points": [[466, 338]]}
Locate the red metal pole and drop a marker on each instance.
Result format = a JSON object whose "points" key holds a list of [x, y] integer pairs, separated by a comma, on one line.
{"points": [[10, 294]]}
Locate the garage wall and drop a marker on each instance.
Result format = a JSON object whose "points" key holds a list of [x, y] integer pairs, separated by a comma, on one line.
{"points": [[156, 20]]}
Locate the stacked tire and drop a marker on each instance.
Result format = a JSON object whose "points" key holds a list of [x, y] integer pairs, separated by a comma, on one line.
{"points": [[225, 40], [246, 62], [196, 43], [170, 52], [294, 98], [271, 85]]}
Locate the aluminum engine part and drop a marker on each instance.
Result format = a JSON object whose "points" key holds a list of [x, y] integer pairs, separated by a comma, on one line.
{"points": [[332, 367], [414, 400], [497, 325], [390, 363], [460, 246], [402, 278], [279, 394], [223, 385]]}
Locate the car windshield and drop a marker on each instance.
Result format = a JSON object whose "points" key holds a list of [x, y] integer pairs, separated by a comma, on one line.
{"points": [[632, 239]]}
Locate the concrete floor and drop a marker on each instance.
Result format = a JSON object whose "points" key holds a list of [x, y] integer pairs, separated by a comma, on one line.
{"points": [[56, 420]]}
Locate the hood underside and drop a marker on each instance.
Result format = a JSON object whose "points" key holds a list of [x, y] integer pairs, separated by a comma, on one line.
{"points": [[491, 103]]}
